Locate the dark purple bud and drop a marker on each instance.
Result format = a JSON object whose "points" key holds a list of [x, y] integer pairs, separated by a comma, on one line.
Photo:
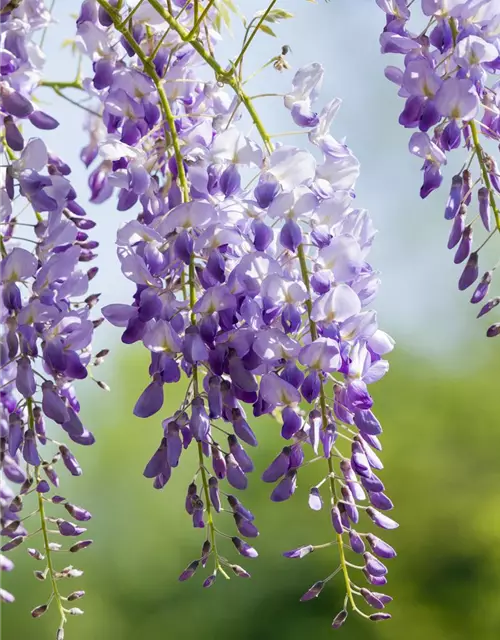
{"points": [[457, 227], [13, 543], [278, 467], [52, 404], [381, 520], [470, 273], [300, 552], [42, 120], [455, 198], [366, 422], [265, 192], [83, 544], [286, 488], [263, 235], [43, 487], [336, 520], [30, 452], [14, 103], [183, 246], [359, 461], [51, 474], [244, 548], [240, 455], [151, 399], [174, 444], [235, 474], [218, 462], [450, 138], [82, 515], [372, 483], [290, 235], [373, 565], [371, 599], [376, 617], [482, 288], [189, 571], [339, 619], [484, 207], [292, 423], [214, 397], [68, 528], [378, 581], [491, 304], [313, 592], [380, 548], [70, 462], [242, 428], [380, 501], [13, 136], [208, 582], [245, 527], [230, 181], [356, 542], [465, 246], [311, 386], [237, 507], [76, 595], [493, 331], [347, 472], [191, 493], [214, 493]]}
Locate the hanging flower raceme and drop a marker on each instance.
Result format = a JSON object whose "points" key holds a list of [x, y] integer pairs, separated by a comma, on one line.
{"points": [[260, 294], [46, 325], [452, 97]]}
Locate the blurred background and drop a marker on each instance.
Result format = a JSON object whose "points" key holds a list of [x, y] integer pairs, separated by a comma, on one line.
{"points": [[439, 407]]}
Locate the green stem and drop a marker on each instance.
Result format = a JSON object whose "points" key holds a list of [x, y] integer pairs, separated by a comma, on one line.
{"points": [[324, 420], [53, 84], [45, 533], [484, 171], [254, 33]]}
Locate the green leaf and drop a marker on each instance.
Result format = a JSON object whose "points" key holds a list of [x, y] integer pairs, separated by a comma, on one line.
{"points": [[276, 15], [268, 30]]}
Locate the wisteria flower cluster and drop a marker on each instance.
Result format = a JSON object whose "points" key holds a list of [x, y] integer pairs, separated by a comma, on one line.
{"points": [[452, 97], [260, 294], [249, 258], [46, 325]]}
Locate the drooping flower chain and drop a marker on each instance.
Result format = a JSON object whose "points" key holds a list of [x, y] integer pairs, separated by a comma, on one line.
{"points": [[46, 330], [259, 293], [452, 97]]}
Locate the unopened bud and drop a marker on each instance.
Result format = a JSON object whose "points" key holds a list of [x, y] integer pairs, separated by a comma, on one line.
{"points": [[76, 595], [40, 575], [239, 571], [39, 611], [34, 553], [189, 571], [83, 544], [339, 619], [103, 385], [75, 612], [12, 544]]}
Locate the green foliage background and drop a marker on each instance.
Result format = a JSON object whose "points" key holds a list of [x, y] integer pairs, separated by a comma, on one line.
{"points": [[442, 471]]}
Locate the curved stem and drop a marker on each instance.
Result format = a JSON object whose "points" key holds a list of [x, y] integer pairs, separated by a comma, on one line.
{"points": [[45, 534], [484, 171]]}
